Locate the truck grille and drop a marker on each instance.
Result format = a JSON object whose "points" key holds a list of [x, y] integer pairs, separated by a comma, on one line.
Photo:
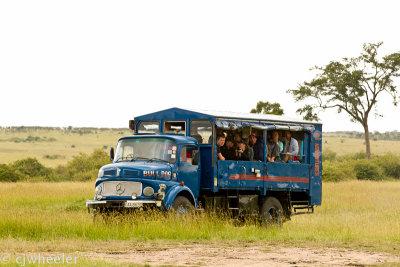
{"points": [[122, 188]]}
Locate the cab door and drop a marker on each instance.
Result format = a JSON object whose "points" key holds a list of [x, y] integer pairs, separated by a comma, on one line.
{"points": [[188, 168]]}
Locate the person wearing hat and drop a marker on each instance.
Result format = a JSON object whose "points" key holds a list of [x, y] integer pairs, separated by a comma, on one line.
{"points": [[257, 146]]}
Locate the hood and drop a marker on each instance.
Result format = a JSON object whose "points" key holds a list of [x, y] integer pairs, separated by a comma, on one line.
{"points": [[149, 170]]}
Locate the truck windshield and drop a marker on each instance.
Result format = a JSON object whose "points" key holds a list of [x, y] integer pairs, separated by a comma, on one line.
{"points": [[150, 149]]}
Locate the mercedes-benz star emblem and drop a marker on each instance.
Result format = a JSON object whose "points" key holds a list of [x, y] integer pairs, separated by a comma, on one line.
{"points": [[119, 189]]}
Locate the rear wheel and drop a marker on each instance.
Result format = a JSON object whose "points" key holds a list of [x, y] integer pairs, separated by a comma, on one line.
{"points": [[182, 205], [271, 212]]}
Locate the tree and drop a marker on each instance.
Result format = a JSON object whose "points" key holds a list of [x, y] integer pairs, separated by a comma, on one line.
{"points": [[268, 108], [352, 85]]}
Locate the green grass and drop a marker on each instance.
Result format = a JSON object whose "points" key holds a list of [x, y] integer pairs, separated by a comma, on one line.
{"points": [[353, 214]]}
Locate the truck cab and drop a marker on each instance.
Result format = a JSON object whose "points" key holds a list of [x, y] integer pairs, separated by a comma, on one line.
{"points": [[149, 170]]}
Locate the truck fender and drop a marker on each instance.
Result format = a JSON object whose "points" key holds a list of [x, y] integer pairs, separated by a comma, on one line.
{"points": [[173, 192]]}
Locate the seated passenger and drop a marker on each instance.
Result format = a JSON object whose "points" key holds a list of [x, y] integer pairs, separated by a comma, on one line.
{"points": [[228, 151], [257, 146], [273, 148], [291, 147], [243, 152], [168, 129], [220, 144]]}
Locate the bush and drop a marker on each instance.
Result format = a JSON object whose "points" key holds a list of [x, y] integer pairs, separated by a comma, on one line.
{"points": [[8, 174], [390, 165], [337, 171], [85, 167], [31, 167], [328, 155], [368, 170], [354, 156]]}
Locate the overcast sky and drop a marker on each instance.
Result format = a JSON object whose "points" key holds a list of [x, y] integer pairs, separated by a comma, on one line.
{"points": [[101, 63]]}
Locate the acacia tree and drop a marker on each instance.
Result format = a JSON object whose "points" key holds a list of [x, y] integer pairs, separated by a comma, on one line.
{"points": [[352, 85], [268, 108]]}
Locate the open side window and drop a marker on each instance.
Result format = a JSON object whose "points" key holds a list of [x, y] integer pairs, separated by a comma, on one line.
{"points": [[149, 127], [201, 130], [174, 127]]}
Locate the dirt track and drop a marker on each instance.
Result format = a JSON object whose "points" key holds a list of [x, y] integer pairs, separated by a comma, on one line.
{"points": [[194, 254]]}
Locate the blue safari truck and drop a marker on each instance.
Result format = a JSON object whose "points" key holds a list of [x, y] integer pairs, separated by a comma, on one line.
{"points": [[186, 159]]}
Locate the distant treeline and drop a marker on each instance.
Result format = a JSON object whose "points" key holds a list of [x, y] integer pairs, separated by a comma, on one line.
{"points": [[393, 135], [68, 129]]}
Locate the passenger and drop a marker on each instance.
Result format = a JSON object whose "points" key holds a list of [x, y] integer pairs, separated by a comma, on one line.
{"points": [[168, 129], [273, 149], [291, 147], [228, 151], [220, 144], [280, 142], [243, 152], [237, 138], [221, 132], [257, 146]]}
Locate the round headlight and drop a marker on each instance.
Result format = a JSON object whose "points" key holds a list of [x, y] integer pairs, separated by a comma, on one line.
{"points": [[148, 191], [98, 189]]}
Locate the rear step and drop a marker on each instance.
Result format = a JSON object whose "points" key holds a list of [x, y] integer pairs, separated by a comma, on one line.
{"points": [[302, 205]]}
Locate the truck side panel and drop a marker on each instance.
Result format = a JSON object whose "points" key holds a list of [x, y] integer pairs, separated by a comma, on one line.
{"points": [[288, 176]]}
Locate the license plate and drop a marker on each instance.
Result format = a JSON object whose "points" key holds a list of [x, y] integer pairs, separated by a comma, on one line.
{"points": [[133, 204]]}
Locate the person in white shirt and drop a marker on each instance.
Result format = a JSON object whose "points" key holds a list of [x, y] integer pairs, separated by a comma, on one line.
{"points": [[291, 148]]}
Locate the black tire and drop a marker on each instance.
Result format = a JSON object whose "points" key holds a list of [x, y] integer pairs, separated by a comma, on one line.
{"points": [[271, 212], [182, 205]]}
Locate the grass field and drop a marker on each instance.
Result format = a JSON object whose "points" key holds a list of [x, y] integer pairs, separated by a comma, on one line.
{"points": [[55, 147], [51, 217], [344, 145], [354, 214]]}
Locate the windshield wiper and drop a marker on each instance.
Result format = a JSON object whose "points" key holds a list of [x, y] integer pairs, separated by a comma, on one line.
{"points": [[136, 158], [121, 158], [152, 159]]}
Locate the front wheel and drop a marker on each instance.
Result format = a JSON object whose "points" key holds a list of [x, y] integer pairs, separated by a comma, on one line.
{"points": [[182, 205], [271, 212]]}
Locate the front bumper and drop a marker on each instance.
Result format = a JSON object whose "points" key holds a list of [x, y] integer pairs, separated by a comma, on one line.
{"points": [[121, 204]]}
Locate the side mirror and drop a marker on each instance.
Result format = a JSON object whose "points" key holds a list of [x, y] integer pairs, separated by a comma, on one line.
{"points": [[111, 153], [132, 125]]}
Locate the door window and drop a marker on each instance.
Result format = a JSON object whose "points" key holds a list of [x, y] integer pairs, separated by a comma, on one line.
{"points": [[189, 154]]}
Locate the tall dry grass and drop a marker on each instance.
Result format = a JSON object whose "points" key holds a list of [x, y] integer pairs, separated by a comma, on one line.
{"points": [[354, 213]]}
